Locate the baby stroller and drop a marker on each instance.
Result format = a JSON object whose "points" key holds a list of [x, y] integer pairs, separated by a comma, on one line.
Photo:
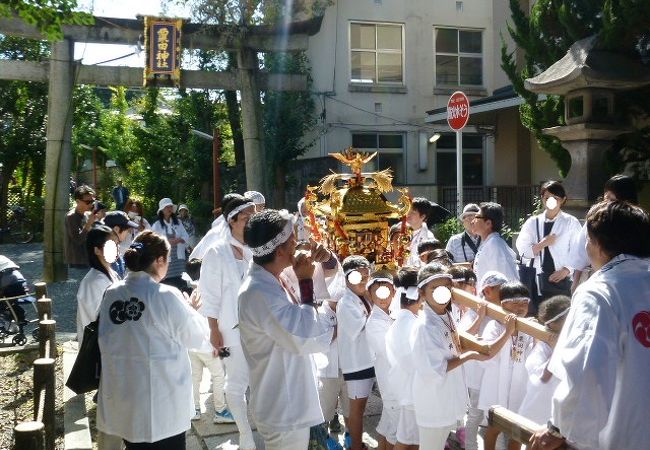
{"points": [[13, 294]]}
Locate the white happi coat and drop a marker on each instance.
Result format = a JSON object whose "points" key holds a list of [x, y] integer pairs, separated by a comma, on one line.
{"points": [[565, 227], [536, 405], [473, 369], [89, 297], [145, 330], [418, 236], [278, 338], [376, 329], [494, 254], [579, 258], [602, 359], [504, 380], [400, 356], [352, 316], [221, 278], [440, 397], [212, 237]]}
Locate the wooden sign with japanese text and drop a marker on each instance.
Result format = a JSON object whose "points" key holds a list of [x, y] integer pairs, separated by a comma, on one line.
{"points": [[163, 47]]}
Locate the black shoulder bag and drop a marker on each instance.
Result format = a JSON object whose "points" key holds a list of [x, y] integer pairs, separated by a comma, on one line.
{"points": [[84, 376]]}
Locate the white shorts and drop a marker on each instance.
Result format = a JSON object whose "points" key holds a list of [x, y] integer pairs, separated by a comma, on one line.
{"points": [[359, 388], [387, 425], [407, 427]]}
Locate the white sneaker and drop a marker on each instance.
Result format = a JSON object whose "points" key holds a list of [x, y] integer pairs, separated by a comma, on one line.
{"points": [[197, 414]]}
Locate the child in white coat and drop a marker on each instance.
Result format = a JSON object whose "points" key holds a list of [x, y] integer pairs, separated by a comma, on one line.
{"points": [[439, 392], [381, 290], [505, 376], [537, 403]]}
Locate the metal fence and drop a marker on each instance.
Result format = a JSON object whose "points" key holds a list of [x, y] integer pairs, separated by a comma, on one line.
{"points": [[517, 201]]}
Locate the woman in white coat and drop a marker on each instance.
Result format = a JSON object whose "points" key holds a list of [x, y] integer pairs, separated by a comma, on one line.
{"points": [[169, 226], [145, 330], [99, 277], [547, 238]]}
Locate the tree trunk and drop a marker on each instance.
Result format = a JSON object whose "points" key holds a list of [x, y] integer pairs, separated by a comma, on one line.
{"points": [[234, 115]]}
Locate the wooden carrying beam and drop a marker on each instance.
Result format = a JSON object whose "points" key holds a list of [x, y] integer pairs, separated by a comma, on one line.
{"points": [[132, 77], [517, 427], [527, 326], [470, 342]]}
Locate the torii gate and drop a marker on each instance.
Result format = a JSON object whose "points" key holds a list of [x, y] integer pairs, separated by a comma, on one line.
{"points": [[61, 72]]}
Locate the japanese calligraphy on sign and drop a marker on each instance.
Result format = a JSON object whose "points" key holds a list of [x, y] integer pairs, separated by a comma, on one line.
{"points": [[163, 46]]}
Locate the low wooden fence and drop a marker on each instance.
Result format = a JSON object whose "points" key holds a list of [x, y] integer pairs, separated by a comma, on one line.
{"points": [[40, 433]]}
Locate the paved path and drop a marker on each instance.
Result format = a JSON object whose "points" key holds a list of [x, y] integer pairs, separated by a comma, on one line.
{"points": [[64, 293]]}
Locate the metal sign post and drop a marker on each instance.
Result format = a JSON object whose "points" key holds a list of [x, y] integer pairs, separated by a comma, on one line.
{"points": [[457, 118]]}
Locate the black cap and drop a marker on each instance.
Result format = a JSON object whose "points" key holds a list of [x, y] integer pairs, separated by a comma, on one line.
{"points": [[118, 218]]}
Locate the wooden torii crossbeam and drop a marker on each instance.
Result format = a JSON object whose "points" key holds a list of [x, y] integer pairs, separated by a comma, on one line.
{"points": [[61, 72]]}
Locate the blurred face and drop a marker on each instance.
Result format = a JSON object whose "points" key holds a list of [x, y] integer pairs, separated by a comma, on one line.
{"points": [[239, 222], [467, 222], [415, 219], [168, 211], [382, 294], [469, 286], [183, 213], [552, 203], [491, 294], [360, 287], [520, 308], [427, 292], [85, 203], [120, 236]]}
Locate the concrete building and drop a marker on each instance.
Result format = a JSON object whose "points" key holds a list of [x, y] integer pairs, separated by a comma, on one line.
{"points": [[384, 70]]}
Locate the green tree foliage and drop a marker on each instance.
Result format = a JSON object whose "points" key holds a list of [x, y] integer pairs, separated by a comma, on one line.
{"points": [[48, 16], [22, 122], [545, 35]]}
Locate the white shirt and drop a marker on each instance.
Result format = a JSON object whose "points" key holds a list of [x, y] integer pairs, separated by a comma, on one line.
{"points": [[400, 356], [473, 369], [418, 236], [145, 391], [278, 338], [536, 405], [602, 359], [89, 297], [173, 228], [494, 254], [212, 237], [440, 397], [219, 283], [352, 315], [565, 227], [327, 363], [579, 258], [376, 329], [504, 379]]}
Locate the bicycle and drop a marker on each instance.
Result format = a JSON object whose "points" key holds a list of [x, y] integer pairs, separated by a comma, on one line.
{"points": [[19, 228]]}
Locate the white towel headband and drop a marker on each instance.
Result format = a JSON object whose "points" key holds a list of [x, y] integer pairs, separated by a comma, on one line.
{"points": [[559, 316], [379, 280], [279, 239], [515, 299], [437, 276], [239, 209], [411, 292]]}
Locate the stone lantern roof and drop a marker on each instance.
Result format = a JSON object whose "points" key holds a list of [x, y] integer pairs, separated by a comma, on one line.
{"points": [[587, 67]]}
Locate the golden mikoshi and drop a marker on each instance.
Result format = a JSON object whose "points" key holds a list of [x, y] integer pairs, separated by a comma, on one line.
{"points": [[349, 212]]}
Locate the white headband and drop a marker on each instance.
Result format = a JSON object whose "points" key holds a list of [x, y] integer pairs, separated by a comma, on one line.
{"points": [[239, 209], [349, 271], [437, 276], [411, 292], [379, 280], [279, 239], [459, 280], [515, 299], [559, 316]]}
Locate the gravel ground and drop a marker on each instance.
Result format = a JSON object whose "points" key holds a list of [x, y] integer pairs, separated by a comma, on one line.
{"points": [[63, 294]]}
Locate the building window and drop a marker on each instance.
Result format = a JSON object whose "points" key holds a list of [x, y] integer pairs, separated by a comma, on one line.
{"points": [[376, 53], [459, 57], [472, 160], [390, 151]]}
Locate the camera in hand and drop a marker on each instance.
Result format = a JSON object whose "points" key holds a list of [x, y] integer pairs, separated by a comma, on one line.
{"points": [[224, 352]]}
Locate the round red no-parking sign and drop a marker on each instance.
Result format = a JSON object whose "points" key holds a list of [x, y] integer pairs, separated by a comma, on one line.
{"points": [[457, 110]]}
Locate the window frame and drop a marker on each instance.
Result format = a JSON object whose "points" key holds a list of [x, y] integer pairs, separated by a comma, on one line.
{"points": [[458, 56], [466, 151], [377, 51]]}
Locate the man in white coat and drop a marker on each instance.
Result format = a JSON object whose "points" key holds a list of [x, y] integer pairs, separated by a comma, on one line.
{"points": [[602, 356], [494, 253], [278, 336]]}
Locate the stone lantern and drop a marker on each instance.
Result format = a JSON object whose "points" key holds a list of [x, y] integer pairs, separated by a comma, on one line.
{"points": [[588, 78]]}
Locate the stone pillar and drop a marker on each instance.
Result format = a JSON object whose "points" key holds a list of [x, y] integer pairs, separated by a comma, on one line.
{"points": [[252, 121], [58, 159]]}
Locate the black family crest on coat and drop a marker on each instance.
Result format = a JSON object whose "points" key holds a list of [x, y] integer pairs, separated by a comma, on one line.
{"points": [[121, 311]]}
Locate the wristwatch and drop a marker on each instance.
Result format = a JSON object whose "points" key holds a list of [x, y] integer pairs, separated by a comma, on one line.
{"points": [[553, 430]]}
